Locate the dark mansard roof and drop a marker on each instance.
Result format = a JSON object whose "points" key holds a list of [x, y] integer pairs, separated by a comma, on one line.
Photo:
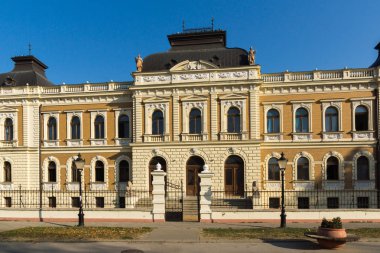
{"points": [[377, 62], [209, 46], [27, 70]]}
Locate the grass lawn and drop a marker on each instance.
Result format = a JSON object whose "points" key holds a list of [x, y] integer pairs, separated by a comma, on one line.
{"points": [[277, 233], [73, 233]]}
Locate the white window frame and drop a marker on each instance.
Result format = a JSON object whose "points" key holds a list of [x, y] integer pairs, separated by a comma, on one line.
{"points": [[364, 184], [122, 185], [333, 184], [368, 103], [186, 109], [48, 186], [308, 105], [98, 185], [69, 116], [118, 113], [303, 184], [271, 184], [337, 104], [6, 185], [13, 115], [94, 114], [46, 141], [275, 137], [150, 107]]}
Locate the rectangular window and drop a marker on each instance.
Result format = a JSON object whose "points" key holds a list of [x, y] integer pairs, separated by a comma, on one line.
{"points": [[52, 202], [303, 203], [332, 202], [8, 201], [274, 203], [121, 202], [363, 202], [99, 202], [75, 202]]}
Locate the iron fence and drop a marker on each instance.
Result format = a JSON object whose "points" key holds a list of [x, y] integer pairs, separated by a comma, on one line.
{"points": [[306, 199], [34, 198]]}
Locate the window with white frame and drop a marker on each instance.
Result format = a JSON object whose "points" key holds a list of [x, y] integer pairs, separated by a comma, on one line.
{"points": [[98, 127], [362, 115], [302, 120], [52, 172], [123, 126], [195, 121], [52, 128], [273, 169], [331, 119], [8, 129], [363, 170], [273, 121], [99, 171], [233, 120], [75, 126], [361, 118], [302, 127], [8, 124], [233, 111], [156, 120], [303, 169]]}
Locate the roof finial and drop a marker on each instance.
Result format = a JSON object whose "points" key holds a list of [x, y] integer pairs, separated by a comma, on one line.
{"points": [[30, 48], [212, 23], [183, 25]]}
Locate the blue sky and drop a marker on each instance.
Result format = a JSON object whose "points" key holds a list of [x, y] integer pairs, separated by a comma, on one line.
{"points": [[97, 40]]}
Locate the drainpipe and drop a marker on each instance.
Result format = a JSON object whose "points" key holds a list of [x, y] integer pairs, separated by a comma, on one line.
{"points": [[39, 158]]}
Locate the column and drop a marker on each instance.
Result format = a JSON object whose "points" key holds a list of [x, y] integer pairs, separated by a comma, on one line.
{"points": [[175, 119], [213, 116], [205, 195], [158, 195]]}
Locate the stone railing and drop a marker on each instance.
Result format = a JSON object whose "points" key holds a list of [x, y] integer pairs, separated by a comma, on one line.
{"points": [[320, 75], [59, 89]]}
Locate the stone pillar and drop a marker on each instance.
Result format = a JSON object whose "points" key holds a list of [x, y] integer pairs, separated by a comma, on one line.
{"points": [[205, 195], [158, 194]]}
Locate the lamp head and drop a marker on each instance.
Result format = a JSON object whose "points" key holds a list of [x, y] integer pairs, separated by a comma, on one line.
{"points": [[282, 162]]}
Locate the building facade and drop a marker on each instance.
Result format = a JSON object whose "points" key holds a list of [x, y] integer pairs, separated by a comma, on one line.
{"points": [[200, 103]]}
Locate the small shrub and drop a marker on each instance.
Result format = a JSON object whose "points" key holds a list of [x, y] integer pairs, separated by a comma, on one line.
{"points": [[334, 223]]}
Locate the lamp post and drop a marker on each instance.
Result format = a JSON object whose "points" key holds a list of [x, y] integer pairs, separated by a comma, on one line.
{"points": [[79, 164], [282, 164]]}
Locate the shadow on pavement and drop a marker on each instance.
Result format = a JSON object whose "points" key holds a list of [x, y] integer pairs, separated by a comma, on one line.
{"points": [[294, 244]]}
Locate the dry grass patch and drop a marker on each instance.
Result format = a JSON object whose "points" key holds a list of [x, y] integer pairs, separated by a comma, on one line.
{"points": [[73, 233]]}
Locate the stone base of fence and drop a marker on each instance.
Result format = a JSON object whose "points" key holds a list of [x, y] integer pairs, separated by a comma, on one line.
{"points": [[105, 215]]}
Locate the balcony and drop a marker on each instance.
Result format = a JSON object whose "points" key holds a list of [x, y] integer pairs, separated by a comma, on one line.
{"points": [[233, 136], [156, 138], [194, 137]]}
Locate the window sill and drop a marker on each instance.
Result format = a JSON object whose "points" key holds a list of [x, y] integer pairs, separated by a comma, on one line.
{"points": [[272, 185], [74, 142], [362, 135], [364, 185], [98, 142], [5, 143], [51, 143], [300, 185], [307, 136], [332, 136], [273, 137], [6, 186], [49, 186], [72, 186], [98, 186], [122, 141], [156, 137], [225, 136], [333, 184]]}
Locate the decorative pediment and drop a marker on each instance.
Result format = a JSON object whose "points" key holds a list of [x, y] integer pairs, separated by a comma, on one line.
{"points": [[193, 65], [156, 100], [7, 109], [233, 97], [194, 98]]}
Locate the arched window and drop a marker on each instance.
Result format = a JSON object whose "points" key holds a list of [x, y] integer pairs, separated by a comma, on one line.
{"points": [[332, 168], [331, 119], [75, 128], [157, 122], [99, 127], [52, 172], [8, 129], [75, 176], [7, 172], [273, 169], [302, 120], [233, 120], [124, 171], [362, 168], [303, 168], [361, 118], [52, 128], [195, 121], [123, 126], [99, 171], [273, 121]]}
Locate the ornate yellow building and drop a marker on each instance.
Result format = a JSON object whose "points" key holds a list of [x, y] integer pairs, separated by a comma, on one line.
{"points": [[200, 103]]}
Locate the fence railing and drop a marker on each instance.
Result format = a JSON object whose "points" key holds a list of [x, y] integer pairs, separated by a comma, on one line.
{"points": [[23, 198], [307, 199]]}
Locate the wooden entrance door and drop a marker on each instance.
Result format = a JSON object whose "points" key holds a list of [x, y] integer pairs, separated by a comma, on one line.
{"points": [[192, 180], [234, 176]]}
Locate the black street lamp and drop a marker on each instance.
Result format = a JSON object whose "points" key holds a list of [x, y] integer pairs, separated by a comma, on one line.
{"points": [[282, 164], [79, 164]]}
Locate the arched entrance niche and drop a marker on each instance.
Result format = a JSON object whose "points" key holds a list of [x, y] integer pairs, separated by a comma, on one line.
{"points": [[152, 166], [193, 166], [234, 175]]}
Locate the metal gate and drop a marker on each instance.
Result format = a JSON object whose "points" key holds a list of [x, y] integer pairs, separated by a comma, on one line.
{"points": [[174, 201]]}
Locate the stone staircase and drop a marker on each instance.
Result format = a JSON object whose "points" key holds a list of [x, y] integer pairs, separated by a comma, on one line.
{"points": [[190, 208]]}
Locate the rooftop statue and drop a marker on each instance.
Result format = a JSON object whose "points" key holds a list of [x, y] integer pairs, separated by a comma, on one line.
{"points": [[139, 63], [251, 56]]}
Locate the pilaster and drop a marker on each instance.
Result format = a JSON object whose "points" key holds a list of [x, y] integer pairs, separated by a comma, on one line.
{"points": [[137, 119], [175, 119], [214, 116]]}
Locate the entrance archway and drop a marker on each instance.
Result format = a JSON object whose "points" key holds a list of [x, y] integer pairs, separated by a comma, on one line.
{"points": [[152, 166], [234, 175], [193, 166]]}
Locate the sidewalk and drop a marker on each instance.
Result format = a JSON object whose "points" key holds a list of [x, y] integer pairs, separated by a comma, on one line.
{"points": [[173, 231]]}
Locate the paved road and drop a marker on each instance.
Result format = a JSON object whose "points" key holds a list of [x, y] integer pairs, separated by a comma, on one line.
{"points": [[155, 247]]}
